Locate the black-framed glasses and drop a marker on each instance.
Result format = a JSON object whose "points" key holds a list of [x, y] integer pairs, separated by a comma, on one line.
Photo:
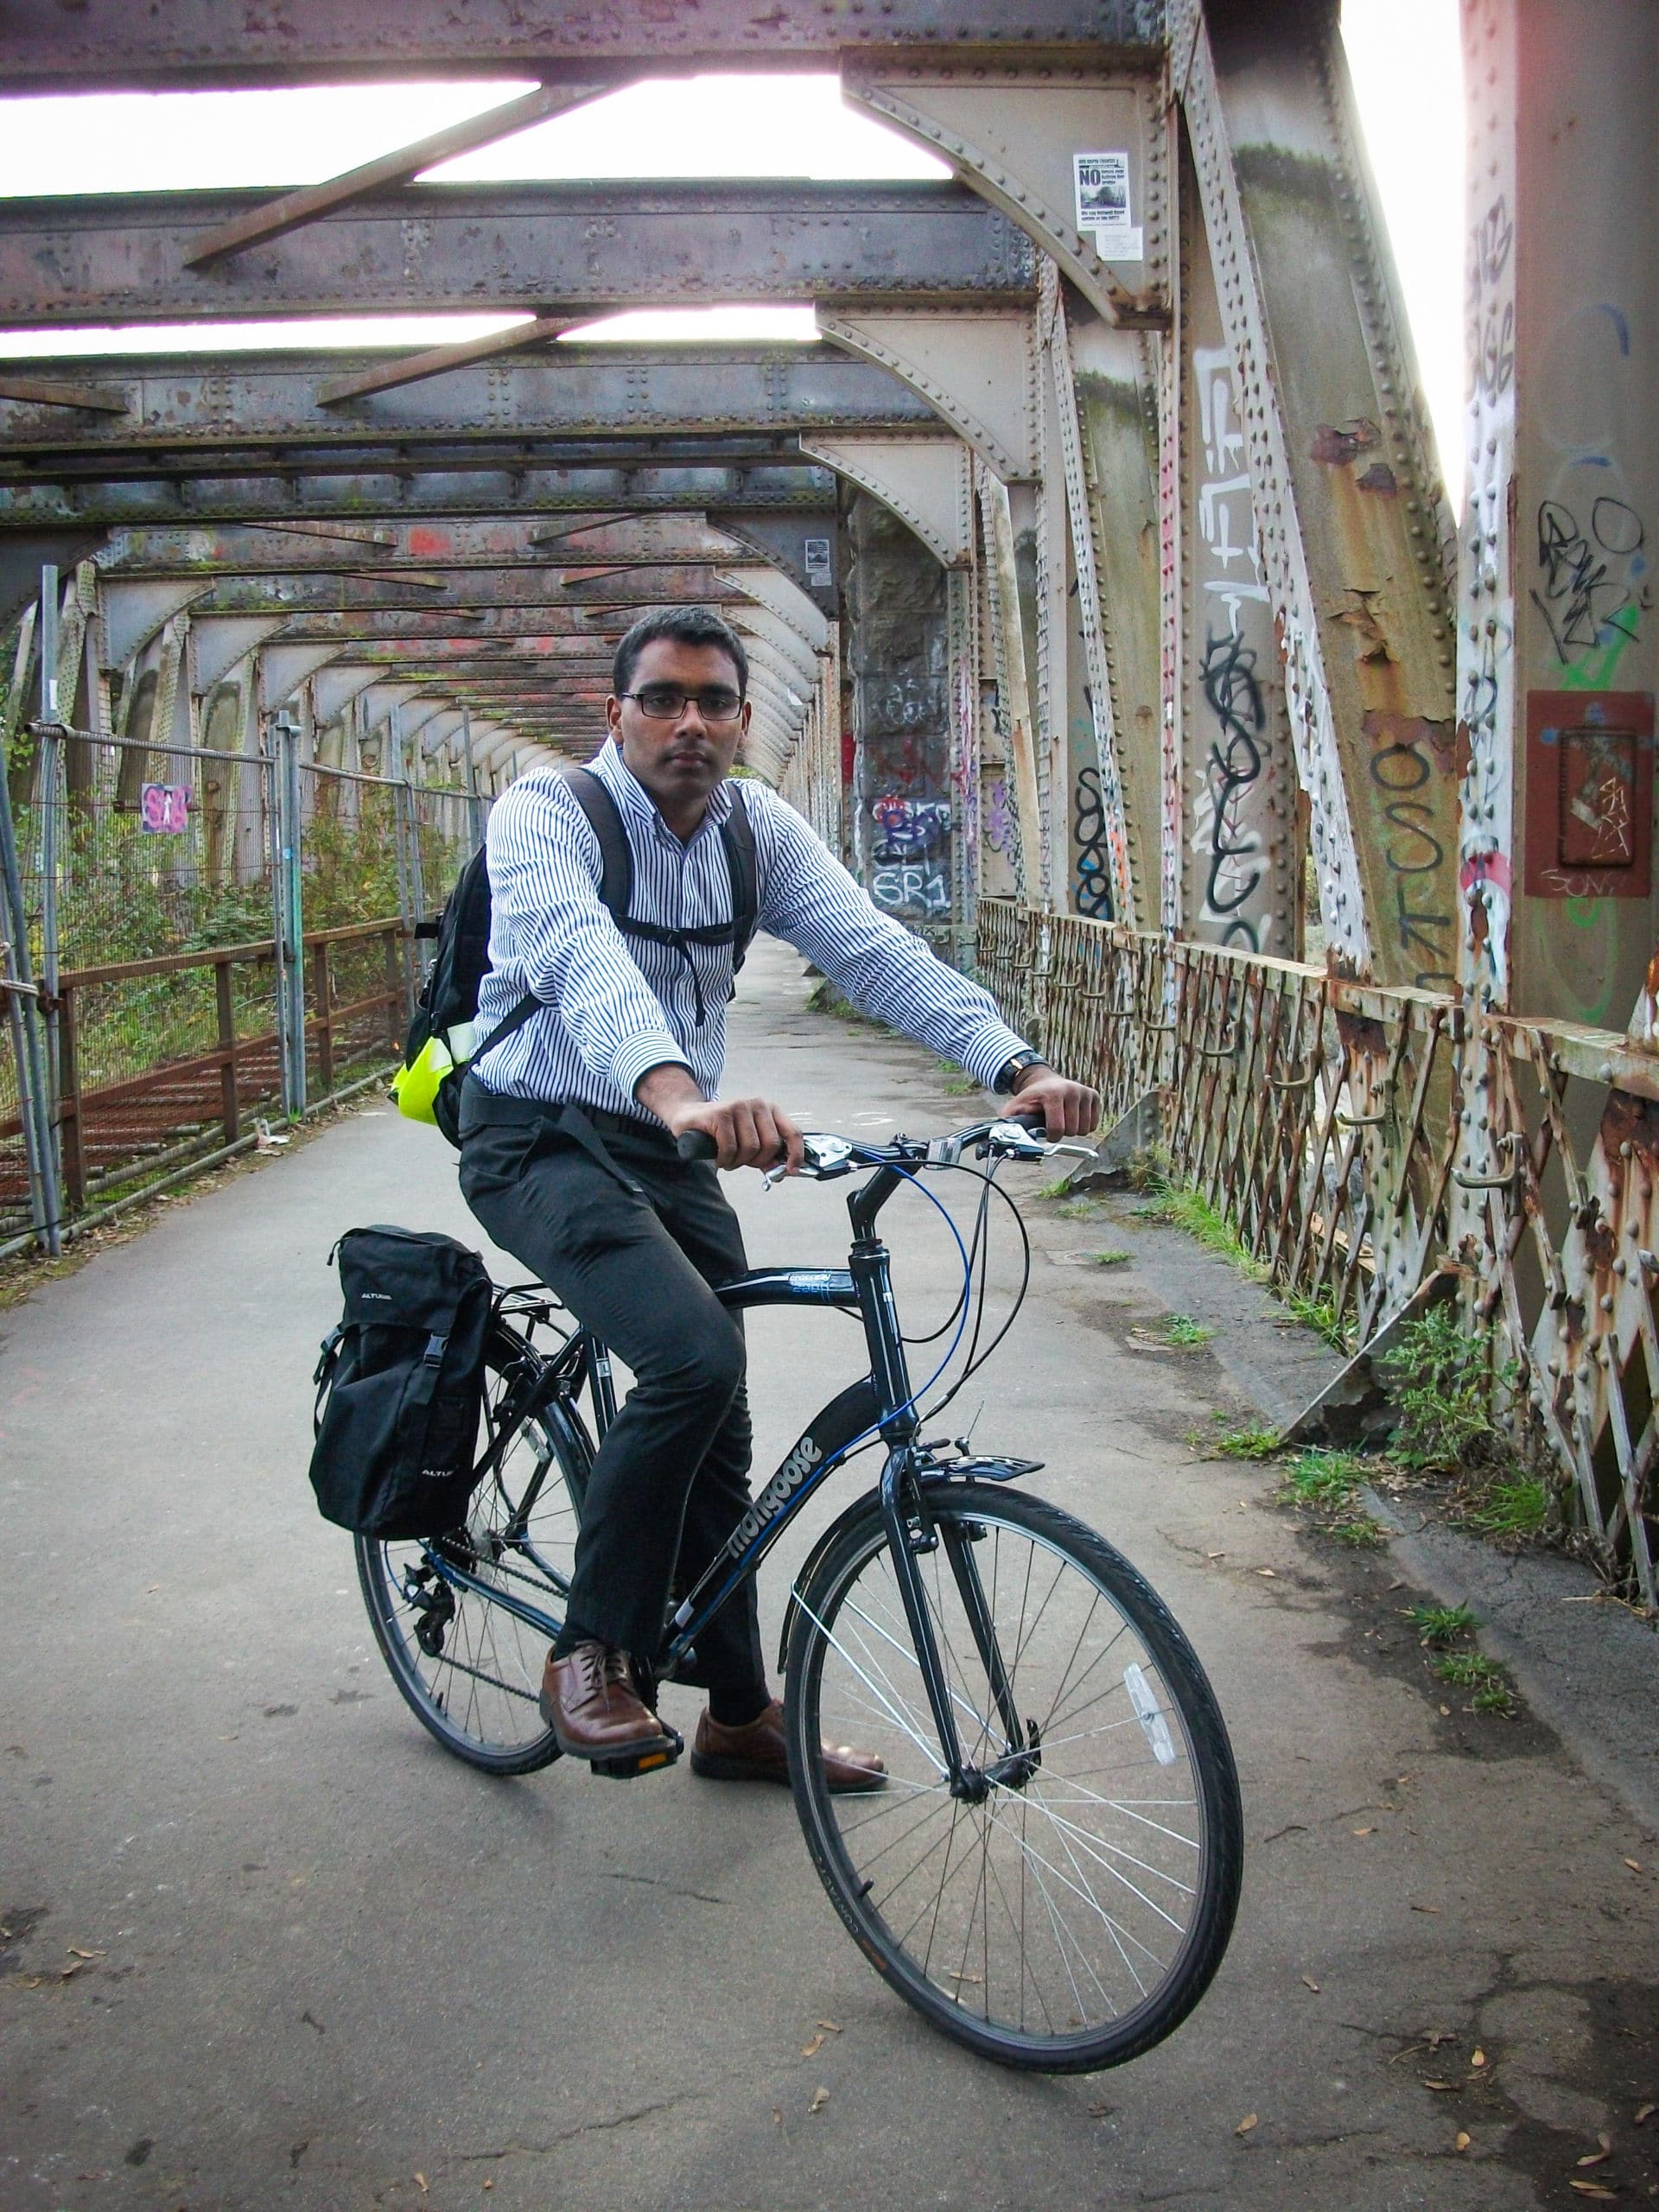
{"points": [[666, 702]]}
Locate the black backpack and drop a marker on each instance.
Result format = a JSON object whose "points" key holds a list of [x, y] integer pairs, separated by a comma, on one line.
{"points": [[449, 996], [400, 1385]]}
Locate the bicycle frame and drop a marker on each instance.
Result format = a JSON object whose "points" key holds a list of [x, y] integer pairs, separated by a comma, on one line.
{"points": [[880, 1401]]}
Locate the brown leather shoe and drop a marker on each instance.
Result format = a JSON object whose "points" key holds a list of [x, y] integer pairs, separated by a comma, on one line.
{"points": [[589, 1702], [758, 1753]]}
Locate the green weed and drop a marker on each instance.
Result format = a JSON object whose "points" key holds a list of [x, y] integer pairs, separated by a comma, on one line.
{"points": [[1182, 1331], [1494, 1696], [1238, 1440], [1464, 1670], [1113, 1256], [1082, 1209], [1326, 1479], [1438, 1625], [1057, 1188], [1518, 1506], [1442, 1378], [1360, 1531], [1321, 1315]]}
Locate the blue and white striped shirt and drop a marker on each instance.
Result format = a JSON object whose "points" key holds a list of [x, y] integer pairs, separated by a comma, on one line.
{"points": [[619, 1006]]}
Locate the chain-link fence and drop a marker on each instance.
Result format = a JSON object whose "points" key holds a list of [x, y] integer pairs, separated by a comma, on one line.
{"points": [[215, 936]]}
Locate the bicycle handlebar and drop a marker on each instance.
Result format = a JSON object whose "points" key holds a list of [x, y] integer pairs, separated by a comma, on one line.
{"points": [[1011, 1136]]}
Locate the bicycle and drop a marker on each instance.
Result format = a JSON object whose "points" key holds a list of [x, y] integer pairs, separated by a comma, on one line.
{"points": [[1050, 1871]]}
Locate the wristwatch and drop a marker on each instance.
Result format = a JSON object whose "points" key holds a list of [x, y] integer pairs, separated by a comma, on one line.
{"points": [[1012, 1068]]}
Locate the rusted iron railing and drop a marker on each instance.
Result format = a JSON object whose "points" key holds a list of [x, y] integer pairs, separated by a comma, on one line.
{"points": [[111, 1130], [1360, 1141]]}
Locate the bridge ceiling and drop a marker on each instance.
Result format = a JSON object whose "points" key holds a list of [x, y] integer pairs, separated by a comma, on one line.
{"points": [[97, 43], [496, 248]]}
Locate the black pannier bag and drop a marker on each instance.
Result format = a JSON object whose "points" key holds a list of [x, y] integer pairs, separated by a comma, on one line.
{"points": [[400, 1384]]}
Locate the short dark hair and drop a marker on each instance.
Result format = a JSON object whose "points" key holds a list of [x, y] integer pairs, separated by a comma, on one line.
{"points": [[683, 626]]}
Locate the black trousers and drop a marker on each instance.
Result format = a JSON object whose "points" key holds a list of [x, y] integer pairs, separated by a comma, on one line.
{"points": [[630, 1236]]}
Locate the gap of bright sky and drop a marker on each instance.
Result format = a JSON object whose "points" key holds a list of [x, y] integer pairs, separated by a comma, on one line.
{"points": [[1403, 56]]}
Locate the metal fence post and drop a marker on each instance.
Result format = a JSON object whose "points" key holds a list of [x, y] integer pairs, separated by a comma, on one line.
{"points": [[52, 805], [475, 800], [290, 929], [24, 1020]]}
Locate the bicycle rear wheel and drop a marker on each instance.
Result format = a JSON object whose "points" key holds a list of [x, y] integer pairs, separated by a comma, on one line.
{"points": [[469, 1670], [1074, 1917]]}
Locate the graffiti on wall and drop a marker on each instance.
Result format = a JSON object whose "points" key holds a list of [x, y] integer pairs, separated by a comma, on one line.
{"points": [[908, 829], [1230, 830], [1093, 859]]}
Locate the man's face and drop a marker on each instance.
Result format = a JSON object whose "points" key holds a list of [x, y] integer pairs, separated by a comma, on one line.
{"points": [[679, 760]]}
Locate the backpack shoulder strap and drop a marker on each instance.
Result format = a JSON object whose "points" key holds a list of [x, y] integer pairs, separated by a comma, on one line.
{"points": [[737, 834], [615, 861]]}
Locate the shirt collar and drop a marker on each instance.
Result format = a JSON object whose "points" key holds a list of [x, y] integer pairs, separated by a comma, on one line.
{"points": [[635, 800]]}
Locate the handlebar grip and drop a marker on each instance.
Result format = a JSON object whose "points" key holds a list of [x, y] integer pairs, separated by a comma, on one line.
{"points": [[697, 1144]]}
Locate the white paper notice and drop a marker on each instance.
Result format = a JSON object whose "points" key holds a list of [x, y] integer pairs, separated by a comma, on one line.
{"points": [[1104, 212]]}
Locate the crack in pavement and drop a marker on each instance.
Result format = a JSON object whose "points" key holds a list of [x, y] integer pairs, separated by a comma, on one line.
{"points": [[657, 1882], [570, 2134]]}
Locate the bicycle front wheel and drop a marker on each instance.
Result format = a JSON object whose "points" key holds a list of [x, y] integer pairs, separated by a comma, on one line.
{"points": [[1071, 1910], [469, 1670]]}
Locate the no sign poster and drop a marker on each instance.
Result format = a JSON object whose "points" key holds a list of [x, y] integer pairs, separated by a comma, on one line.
{"points": [[1104, 215]]}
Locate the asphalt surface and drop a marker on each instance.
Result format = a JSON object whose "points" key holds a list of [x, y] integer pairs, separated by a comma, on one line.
{"points": [[266, 1945]]}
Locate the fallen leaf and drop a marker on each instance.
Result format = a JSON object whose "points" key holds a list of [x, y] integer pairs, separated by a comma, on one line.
{"points": [[75, 1952], [1445, 1712], [1645, 2112], [1215, 1554], [1308, 1982], [811, 2050], [1462, 2143], [1099, 2112], [1635, 1865], [1593, 2189], [1478, 2058], [489, 2184], [420, 2179], [1425, 1908], [820, 2098], [1443, 2087], [1245, 2125], [1595, 2158], [1371, 1831], [830, 2027], [1267, 1574]]}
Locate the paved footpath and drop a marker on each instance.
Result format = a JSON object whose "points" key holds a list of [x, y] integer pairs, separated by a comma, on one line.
{"points": [[267, 1945]]}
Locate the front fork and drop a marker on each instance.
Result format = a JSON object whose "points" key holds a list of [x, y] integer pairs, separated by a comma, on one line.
{"points": [[911, 1530]]}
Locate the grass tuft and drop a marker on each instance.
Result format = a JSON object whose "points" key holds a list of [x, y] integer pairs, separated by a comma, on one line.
{"points": [[1518, 1506], [1113, 1256], [1181, 1330], [1440, 1625], [1327, 1479], [1236, 1439]]}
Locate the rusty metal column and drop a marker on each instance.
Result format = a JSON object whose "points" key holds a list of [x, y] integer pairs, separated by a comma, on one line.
{"points": [[1349, 508], [1241, 864], [1557, 661]]}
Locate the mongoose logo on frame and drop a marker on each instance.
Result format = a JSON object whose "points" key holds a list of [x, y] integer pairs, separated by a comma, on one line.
{"points": [[783, 1485]]}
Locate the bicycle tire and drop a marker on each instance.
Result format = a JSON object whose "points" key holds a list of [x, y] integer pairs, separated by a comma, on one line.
{"points": [[469, 1671], [1024, 1962]]}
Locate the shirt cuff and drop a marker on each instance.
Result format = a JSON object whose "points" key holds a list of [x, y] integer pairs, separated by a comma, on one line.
{"points": [[992, 1050], [636, 1055]]}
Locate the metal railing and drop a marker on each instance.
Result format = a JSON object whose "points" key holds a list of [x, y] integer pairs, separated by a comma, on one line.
{"points": [[212, 937], [1361, 1142]]}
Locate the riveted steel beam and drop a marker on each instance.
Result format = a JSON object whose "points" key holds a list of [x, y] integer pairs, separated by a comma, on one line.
{"points": [[977, 370], [1016, 129], [185, 405], [201, 494], [927, 482], [274, 218], [1558, 662], [779, 592], [186, 43], [1348, 504], [1240, 861], [1108, 425], [490, 542], [477, 248]]}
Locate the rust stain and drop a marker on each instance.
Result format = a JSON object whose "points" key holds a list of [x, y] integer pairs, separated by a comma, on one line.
{"points": [[1448, 742], [1379, 477], [1331, 444]]}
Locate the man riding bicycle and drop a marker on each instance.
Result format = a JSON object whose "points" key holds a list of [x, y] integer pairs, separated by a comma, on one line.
{"points": [[570, 1129]]}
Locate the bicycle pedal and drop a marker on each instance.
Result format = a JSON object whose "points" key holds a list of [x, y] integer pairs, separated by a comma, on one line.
{"points": [[649, 1761]]}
